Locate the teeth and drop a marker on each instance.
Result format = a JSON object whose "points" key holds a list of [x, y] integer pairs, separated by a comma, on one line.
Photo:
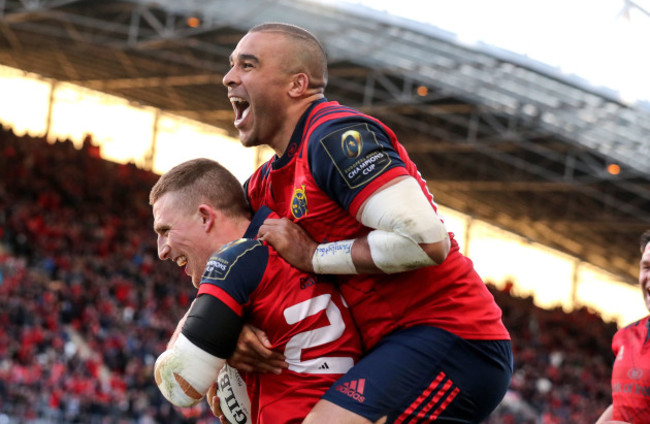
{"points": [[181, 261], [241, 107]]}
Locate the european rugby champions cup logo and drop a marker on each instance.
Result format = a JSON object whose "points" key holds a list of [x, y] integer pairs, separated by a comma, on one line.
{"points": [[299, 202], [351, 144]]}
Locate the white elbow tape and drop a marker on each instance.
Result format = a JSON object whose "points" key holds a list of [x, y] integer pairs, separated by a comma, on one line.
{"points": [[404, 209], [334, 258], [185, 372], [392, 252]]}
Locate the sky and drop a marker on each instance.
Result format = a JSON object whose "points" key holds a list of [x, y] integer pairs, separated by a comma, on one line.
{"points": [[593, 39]]}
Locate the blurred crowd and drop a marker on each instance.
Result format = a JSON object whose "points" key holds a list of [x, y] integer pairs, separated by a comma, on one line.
{"points": [[86, 306], [562, 362]]}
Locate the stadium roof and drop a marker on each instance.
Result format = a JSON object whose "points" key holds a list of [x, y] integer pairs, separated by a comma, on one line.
{"points": [[497, 136]]}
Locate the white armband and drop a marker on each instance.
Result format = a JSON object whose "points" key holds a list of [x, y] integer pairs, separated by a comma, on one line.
{"points": [[404, 209], [185, 372], [403, 218], [334, 258], [392, 252]]}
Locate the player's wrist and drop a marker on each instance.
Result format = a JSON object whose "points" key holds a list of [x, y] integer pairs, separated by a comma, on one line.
{"points": [[185, 372], [334, 258]]}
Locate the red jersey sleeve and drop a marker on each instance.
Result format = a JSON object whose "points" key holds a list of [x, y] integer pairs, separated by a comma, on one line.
{"points": [[233, 272]]}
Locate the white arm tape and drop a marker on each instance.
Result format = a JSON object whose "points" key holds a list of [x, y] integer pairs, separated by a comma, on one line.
{"points": [[334, 258], [185, 372], [403, 218], [392, 252], [404, 209]]}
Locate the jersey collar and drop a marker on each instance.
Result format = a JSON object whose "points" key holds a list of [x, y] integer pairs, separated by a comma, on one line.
{"points": [[257, 221]]}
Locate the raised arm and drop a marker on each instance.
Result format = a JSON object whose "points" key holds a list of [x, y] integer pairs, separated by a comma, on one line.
{"points": [[408, 234], [606, 416]]}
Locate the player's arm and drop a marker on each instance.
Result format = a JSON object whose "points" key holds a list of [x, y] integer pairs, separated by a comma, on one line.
{"points": [[355, 163], [253, 353], [408, 235], [187, 369], [607, 415], [191, 363], [243, 266]]}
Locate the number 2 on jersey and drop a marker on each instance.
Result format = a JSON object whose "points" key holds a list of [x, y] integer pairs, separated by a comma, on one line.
{"points": [[316, 337]]}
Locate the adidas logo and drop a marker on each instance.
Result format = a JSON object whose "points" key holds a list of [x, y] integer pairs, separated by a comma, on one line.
{"points": [[354, 389], [324, 366]]}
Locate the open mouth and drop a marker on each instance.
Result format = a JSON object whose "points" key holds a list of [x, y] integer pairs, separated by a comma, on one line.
{"points": [[241, 108]]}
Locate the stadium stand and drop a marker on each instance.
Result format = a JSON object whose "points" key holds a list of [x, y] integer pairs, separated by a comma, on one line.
{"points": [[85, 306], [562, 364], [508, 140]]}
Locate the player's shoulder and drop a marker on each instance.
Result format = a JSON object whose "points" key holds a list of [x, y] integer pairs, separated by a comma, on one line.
{"points": [[239, 255], [637, 330], [358, 150], [333, 121], [640, 323], [257, 176], [331, 110], [334, 117], [238, 247]]}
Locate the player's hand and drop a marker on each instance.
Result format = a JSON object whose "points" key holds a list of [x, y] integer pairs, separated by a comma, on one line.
{"points": [[213, 402], [290, 240], [253, 353]]}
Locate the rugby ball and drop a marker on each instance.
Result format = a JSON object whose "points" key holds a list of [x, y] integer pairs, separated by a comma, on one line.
{"points": [[233, 397]]}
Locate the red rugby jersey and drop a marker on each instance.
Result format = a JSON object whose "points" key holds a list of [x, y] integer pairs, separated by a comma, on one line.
{"points": [[336, 159], [303, 315], [631, 373]]}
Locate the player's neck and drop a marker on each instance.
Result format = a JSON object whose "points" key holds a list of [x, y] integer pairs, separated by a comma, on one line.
{"points": [[240, 226], [229, 229], [281, 141]]}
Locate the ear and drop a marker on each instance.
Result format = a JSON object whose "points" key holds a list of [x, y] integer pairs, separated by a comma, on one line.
{"points": [[208, 216], [299, 85]]}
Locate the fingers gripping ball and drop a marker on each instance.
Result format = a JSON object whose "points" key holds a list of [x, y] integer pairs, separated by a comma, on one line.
{"points": [[185, 372], [233, 397]]}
